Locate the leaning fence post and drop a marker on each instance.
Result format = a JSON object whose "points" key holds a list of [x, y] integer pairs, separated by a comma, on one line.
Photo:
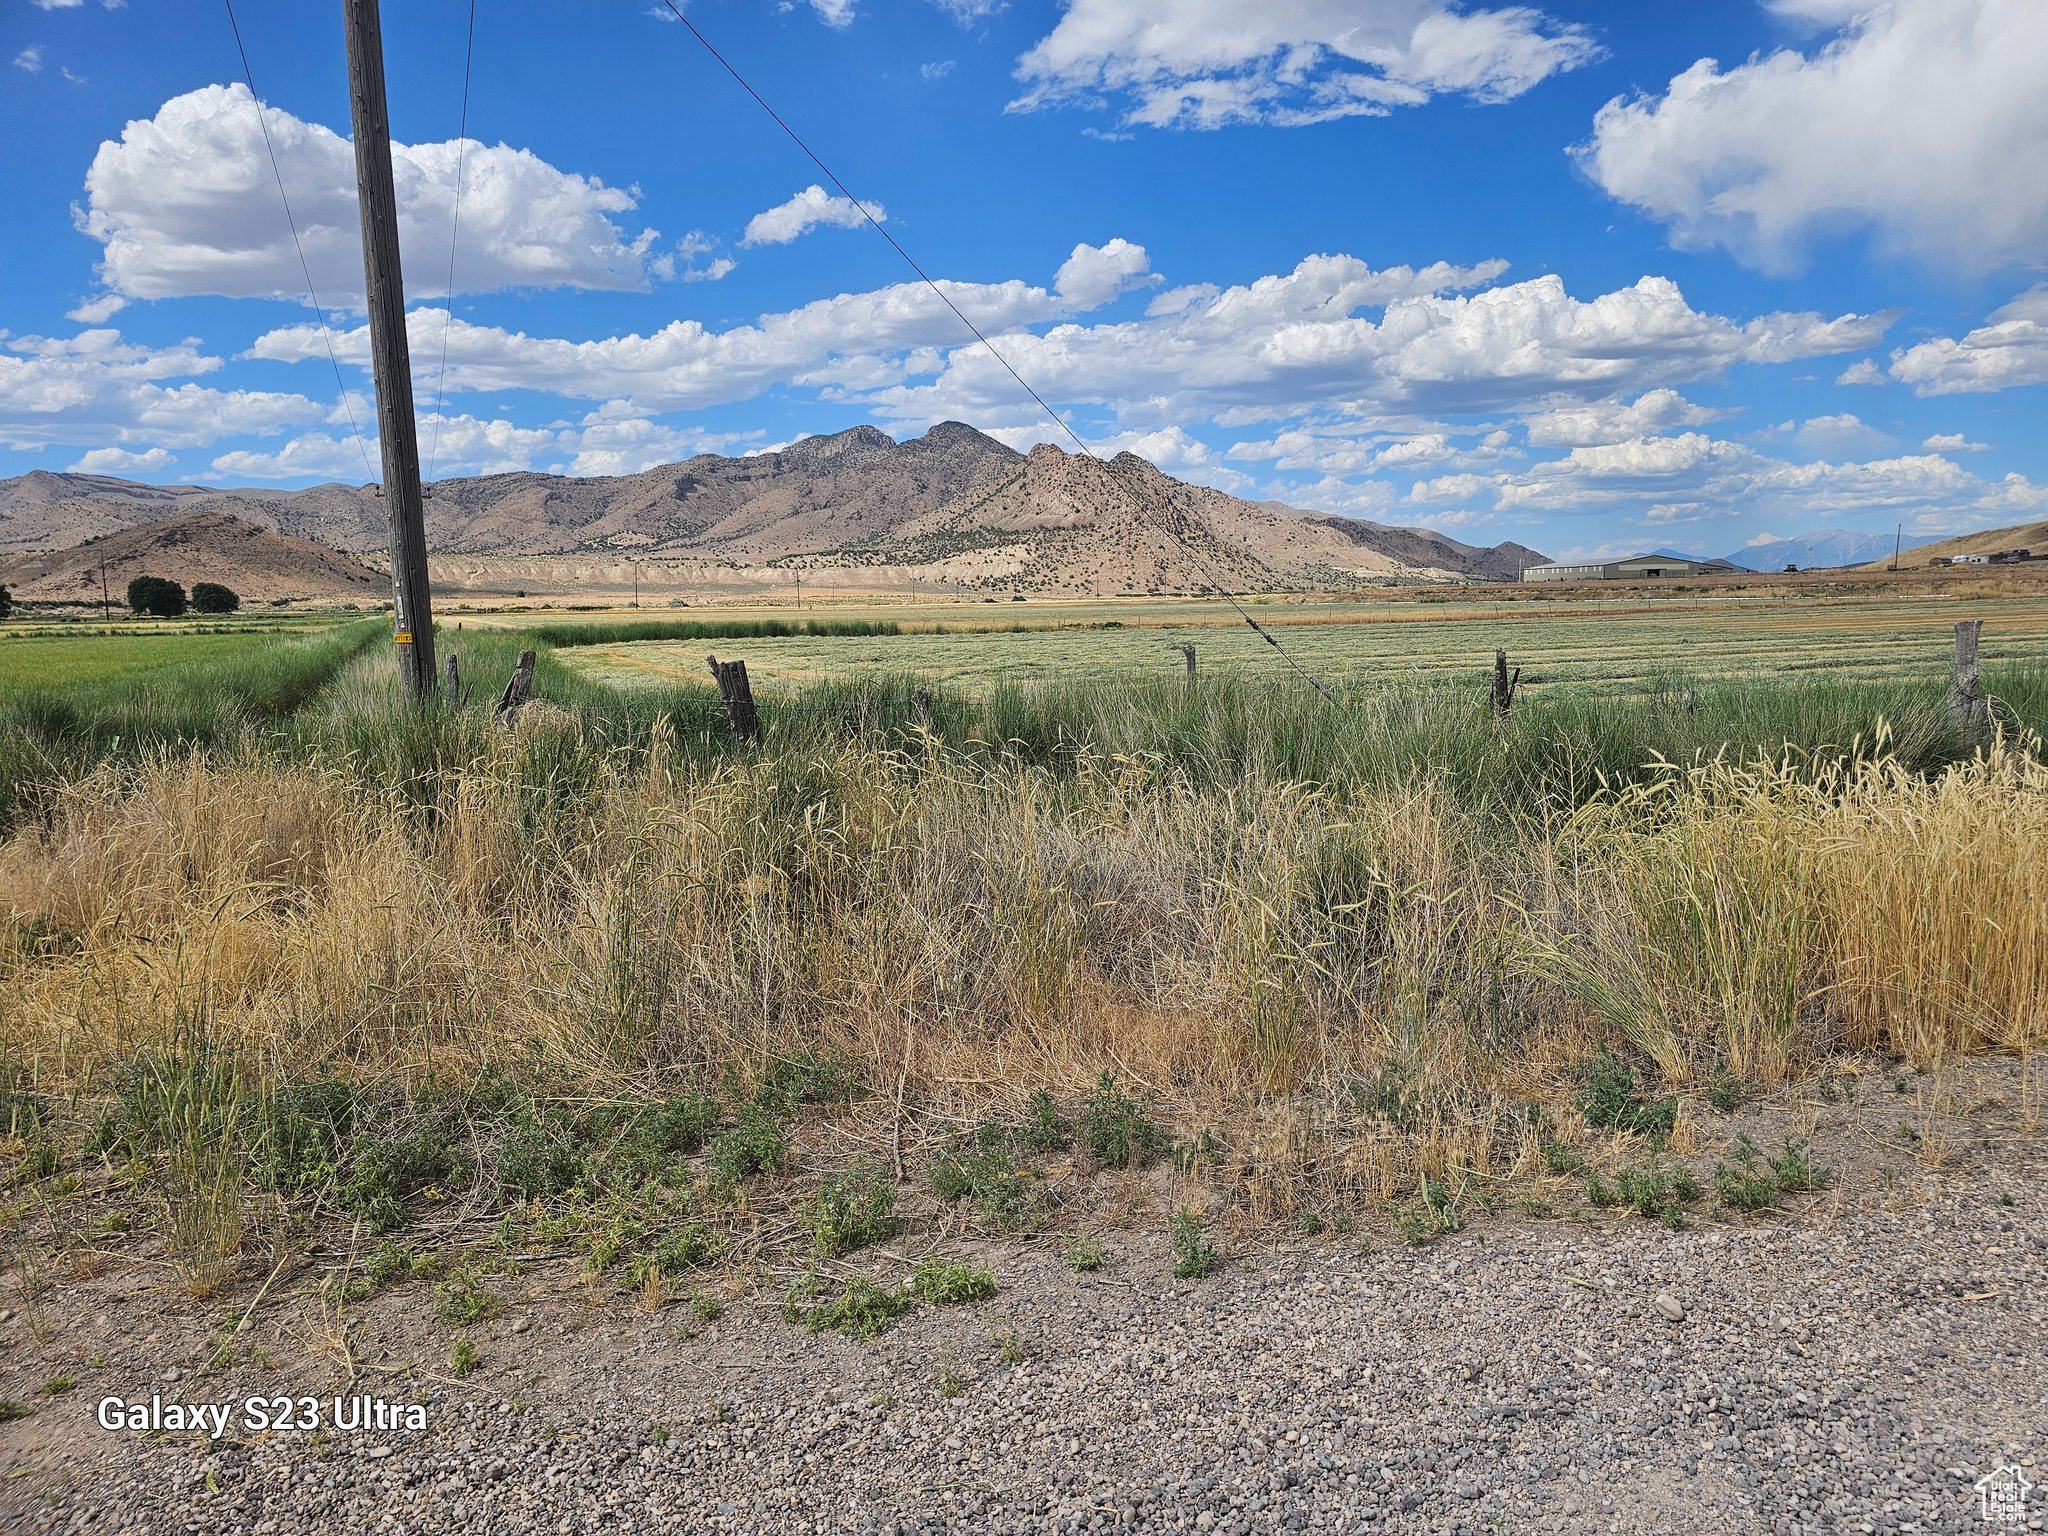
{"points": [[1189, 652], [454, 684], [739, 699], [921, 702], [1503, 684], [1966, 708], [518, 687]]}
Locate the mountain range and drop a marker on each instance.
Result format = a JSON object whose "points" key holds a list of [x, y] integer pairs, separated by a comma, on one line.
{"points": [[951, 510], [1819, 549]]}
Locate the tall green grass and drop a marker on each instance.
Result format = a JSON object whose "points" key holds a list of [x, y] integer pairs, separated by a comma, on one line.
{"points": [[49, 736]]}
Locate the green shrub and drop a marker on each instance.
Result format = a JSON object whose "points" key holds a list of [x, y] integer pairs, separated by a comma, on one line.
{"points": [[864, 1310], [1192, 1257], [754, 1143], [1654, 1192], [1117, 1130], [982, 1167], [810, 1077], [1794, 1172], [1085, 1253], [1045, 1129], [648, 1140], [461, 1299], [949, 1282], [463, 1358], [851, 1210], [1739, 1184], [1609, 1096]]}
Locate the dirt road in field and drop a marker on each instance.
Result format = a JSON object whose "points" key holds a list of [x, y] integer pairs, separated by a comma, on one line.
{"points": [[1860, 1363]]}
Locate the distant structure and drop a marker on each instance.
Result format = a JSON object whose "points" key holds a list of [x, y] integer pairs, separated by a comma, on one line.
{"points": [[1634, 568]]}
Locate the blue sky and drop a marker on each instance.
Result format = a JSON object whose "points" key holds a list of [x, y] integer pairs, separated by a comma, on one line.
{"points": [[1593, 277]]}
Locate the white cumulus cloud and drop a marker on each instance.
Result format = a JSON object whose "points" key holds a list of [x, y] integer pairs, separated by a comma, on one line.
{"points": [[1922, 122], [805, 212], [1612, 421], [95, 390], [184, 203], [1208, 63], [2012, 349], [120, 461], [1954, 442]]}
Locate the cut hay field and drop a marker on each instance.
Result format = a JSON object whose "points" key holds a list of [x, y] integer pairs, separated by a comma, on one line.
{"points": [[1626, 646]]}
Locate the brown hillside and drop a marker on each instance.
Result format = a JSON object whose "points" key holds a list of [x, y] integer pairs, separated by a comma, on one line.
{"points": [[259, 564], [2030, 536]]}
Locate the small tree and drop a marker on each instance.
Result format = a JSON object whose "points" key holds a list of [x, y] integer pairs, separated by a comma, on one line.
{"points": [[6, 602], [212, 597], [157, 597]]}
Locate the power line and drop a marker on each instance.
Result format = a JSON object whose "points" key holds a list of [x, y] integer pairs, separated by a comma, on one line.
{"points": [[454, 234], [312, 297], [1137, 500]]}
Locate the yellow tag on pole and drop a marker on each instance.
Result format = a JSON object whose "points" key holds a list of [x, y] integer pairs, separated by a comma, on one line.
{"points": [[405, 637]]}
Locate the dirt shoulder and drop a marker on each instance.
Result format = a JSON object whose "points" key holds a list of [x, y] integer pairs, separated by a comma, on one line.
{"points": [[1856, 1361]]}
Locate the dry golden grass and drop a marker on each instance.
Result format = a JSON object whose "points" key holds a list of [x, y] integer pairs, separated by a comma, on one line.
{"points": [[973, 933]]}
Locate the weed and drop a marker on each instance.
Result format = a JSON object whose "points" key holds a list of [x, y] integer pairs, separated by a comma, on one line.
{"points": [[1345, 1223], [982, 1167], [1008, 1350], [1727, 1092], [947, 1374], [1085, 1253], [1609, 1096], [57, 1386], [1116, 1129], [1311, 1224], [1794, 1172], [708, 1308], [1192, 1257], [462, 1357], [851, 1210], [949, 1282], [660, 1434], [1651, 1191], [1561, 1157], [825, 1076], [1045, 1130], [1436, 1216], [864, 1310], [1536, 1206], [650, 1140], [756, 1142], [12, 1409], [1392, 1097], [1739, 1184], [38, 1162], [461, 1299]]}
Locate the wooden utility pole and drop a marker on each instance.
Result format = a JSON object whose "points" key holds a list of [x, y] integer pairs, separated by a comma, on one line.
{"points": [[384, 288], [1898, 546]]}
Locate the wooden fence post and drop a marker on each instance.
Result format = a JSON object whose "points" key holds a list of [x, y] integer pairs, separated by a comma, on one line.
{"points": [[921, 703], [1966, 706], [738, 695], [1189, 652], [455, 698], [1504, 685], [519, 686]]}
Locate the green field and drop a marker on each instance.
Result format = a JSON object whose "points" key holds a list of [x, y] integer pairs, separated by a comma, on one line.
{"points": [[1625, 646], [41, 659]]}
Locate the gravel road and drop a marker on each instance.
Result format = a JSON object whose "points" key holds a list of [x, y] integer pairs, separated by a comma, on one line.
{"points": [[1856, 1365]]}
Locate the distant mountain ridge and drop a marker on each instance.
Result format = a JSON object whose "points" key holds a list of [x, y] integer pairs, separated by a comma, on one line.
{"points": [[955, 506], [1820, 550]]}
